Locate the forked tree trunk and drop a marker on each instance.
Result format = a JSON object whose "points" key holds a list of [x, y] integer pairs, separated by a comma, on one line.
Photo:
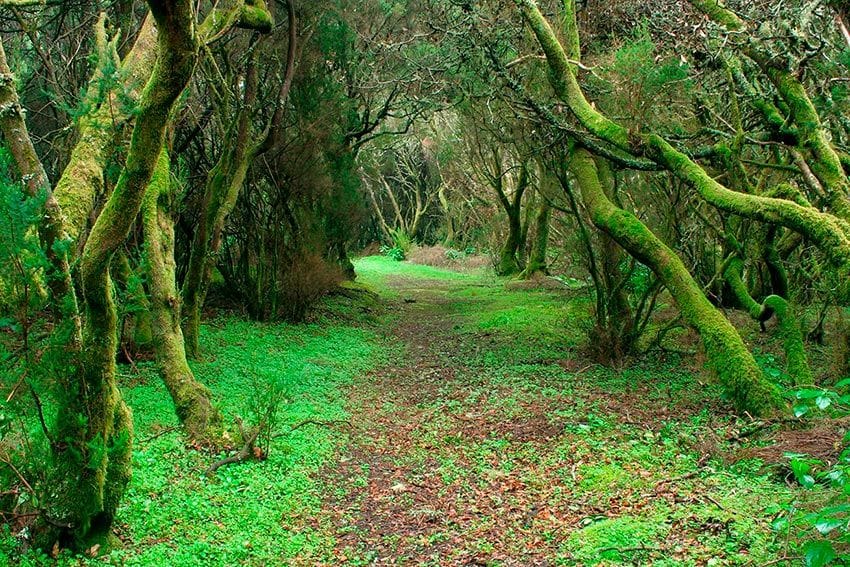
{"points": [[728, 357], [94, 433], [537, 263], [509, 261]]}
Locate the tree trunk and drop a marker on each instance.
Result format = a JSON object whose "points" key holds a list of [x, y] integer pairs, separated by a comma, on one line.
{"points": [[82, 179], [224, 184], [788, 329], [537, 260], [92, 456], [728, 357], [192, 400], [52, 229], [508, 262]]}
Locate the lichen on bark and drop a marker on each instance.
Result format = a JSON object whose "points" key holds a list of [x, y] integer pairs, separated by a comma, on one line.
{"points": [[94, 430]]}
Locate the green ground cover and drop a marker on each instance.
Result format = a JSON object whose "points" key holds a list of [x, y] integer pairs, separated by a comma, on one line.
{"points": [[465, 427]]}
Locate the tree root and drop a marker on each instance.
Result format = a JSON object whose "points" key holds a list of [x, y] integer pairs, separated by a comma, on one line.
{"points": [[250, 450]]}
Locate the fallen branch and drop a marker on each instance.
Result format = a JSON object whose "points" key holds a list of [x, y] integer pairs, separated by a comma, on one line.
{"points": [[246, 452], [675, 479], [250, 450], [761, 426], [160, 433]]}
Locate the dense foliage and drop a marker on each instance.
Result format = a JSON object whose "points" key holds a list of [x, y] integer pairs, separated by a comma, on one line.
{"points": [[175, 174]]}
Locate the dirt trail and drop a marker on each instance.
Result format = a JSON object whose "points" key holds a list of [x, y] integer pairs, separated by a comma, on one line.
{"points": [[412, 509], [461, 454]]}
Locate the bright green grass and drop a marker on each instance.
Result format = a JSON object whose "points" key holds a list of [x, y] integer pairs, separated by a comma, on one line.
{"points": [[174, 515], [505, 345], [376, 271]]}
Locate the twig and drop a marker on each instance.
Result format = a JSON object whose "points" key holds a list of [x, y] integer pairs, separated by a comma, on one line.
{"points": [[780, 560], [159, 434], [129, 358], [629, 549], [713, 501], [762, 426], [245, 453], [18, 474], [41, 420]]}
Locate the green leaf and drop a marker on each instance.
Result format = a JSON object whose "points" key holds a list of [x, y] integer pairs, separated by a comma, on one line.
{"points": [[826, 525], [843, 383], [801, 410], [779, 524], [808, 394], [801, 469], [823, 402], [818, 553]]}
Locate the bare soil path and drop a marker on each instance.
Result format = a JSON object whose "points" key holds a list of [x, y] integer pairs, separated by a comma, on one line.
{"points": [[481, 447]]}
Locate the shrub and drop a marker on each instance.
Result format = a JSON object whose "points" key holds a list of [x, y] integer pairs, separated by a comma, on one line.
{"points": [[401, 241], [827, 526], [441, 257], [302, 282], [393, 252]]}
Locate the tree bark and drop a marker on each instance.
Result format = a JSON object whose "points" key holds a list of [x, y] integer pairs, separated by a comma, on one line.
{"points": [[537, 263], [829, 232], [222, 189], [201, 421], [92, 456], [728, 357]]}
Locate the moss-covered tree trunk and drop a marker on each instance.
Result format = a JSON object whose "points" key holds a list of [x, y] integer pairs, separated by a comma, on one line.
{"points": [[225, 182], [192, 400], [508, 263], [728, 357], [222, 189], [91, 457], [788, 327], [831, 233], [537, 263], [81, 182]]}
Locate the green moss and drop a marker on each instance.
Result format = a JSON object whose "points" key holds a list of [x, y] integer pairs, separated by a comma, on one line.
{"points": [[717, 12], [192, 400], [727, 355], [826, 230], [602, 540], [796, 361], [563, 79]]}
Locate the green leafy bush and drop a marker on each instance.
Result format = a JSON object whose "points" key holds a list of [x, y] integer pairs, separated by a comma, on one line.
{"points": [[33, 350], [393, 252], [827, 526], [401, 240]]}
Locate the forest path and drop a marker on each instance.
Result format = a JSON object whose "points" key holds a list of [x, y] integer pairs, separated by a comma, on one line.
{"points": [[487, 440], [436, 490]]}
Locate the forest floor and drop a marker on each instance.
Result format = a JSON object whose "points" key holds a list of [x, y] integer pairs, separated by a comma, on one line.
{"points": [[447, 418]]}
